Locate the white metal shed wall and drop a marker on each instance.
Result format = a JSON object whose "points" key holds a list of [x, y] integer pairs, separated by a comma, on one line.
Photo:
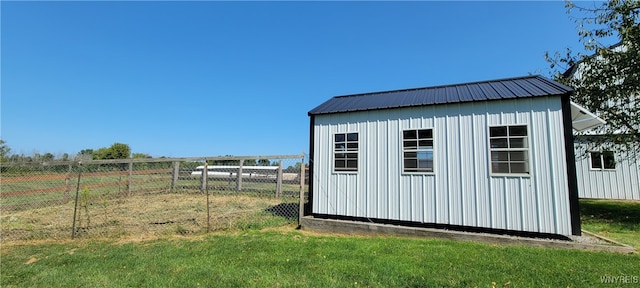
{"points": [[461, 190], [621, 183]]}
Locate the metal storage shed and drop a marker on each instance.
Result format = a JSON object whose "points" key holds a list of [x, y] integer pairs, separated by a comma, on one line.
{"points": [[485, 156]]}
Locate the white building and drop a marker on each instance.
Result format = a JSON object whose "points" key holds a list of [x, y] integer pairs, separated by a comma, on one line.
{"points": [[605, 173], [486, 156]]}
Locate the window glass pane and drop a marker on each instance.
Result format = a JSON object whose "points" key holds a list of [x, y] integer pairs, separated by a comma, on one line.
{"points": [[499, 156], [518, 156], [410, 154], [425, 134], [426, 143], [518, 131], [508, 146], [426, 164], [595, 160], [410, 163], [346, 161], [499, 143], [409, 134], [418, 150], [497, 167], [410, 144], [425, 155], [497, 131], [608, 160], [519, 167], [518, 142]]}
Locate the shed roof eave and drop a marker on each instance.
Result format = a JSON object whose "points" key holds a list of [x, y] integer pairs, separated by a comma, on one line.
{"points": [[582, 119]]}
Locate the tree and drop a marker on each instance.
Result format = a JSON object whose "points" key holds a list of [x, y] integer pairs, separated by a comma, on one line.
{"points": [[140, 156], [607, 81], [85, 154], [294, 169], [4, 151], [47, 157], [116, 151]]}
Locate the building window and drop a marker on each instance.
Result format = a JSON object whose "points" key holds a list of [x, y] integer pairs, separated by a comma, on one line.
{"points": [[603, 160], [509, 147], [417, 148], [345, 152]]}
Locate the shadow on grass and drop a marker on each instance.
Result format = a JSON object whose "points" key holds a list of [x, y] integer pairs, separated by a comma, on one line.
{"points": [[286, 210], [626, 214]]}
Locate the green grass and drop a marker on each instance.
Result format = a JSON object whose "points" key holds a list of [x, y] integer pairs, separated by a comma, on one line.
{"points": [[248, 257], [618, 220], [268, 259]]}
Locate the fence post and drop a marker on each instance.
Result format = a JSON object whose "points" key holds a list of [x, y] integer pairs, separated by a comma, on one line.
{"points": [[129, 177], [206, 190], [175, 175], [203, 178], [75, 205], [239, 176], [302, 182], [67, 185], [279, 180]]}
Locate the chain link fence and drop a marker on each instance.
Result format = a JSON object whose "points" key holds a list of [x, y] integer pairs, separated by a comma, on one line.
{"points": [[148, 197]]}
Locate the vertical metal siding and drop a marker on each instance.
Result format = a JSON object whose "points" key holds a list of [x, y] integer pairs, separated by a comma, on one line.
{"points": [[621, 183], [462, 190]]}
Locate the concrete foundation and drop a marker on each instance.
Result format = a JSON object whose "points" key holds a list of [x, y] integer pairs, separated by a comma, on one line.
{"points": [[589, 242]]}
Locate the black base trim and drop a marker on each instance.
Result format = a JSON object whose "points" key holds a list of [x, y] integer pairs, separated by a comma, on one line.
{"points": [[460, 228]]}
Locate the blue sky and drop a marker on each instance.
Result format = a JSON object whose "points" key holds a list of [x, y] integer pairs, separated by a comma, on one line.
{"points": [[183, 79]]}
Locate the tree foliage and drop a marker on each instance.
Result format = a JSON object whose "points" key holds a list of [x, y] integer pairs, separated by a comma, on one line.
{"points": [[607, 80], [140, 156], [115, 151], [4, 151]]}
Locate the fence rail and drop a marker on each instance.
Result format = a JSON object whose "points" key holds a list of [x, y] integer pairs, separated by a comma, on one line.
{"points": [[113, 198]]}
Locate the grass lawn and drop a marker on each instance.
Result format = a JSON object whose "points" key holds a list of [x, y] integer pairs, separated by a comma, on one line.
{"points": [[289, 258], [617, 220]]}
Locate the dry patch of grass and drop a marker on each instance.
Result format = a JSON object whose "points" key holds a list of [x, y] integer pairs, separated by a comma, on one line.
{"points": [[140, 216]]}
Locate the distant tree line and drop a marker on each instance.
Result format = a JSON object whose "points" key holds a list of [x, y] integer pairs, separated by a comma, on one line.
{"points": [[123, 151], [115, 151]]}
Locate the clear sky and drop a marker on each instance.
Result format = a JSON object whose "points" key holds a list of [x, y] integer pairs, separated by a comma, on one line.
{"points": [[183, 79]]}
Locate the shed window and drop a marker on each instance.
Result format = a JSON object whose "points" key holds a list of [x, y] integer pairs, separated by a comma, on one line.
{"points": [[345, 152], [509, 147], [417, 149], [603, 160]]}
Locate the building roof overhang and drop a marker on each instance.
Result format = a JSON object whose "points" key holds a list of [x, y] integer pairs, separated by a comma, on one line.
{"points": [[582, 119]]}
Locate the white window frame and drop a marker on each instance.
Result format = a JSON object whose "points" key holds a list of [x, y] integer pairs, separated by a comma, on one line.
{"points": [[346, 152], [508, 151], [418, 149], [602, 162]]}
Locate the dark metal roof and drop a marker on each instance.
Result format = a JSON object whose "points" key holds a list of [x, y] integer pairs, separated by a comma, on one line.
{"points": [[521, 87]]}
